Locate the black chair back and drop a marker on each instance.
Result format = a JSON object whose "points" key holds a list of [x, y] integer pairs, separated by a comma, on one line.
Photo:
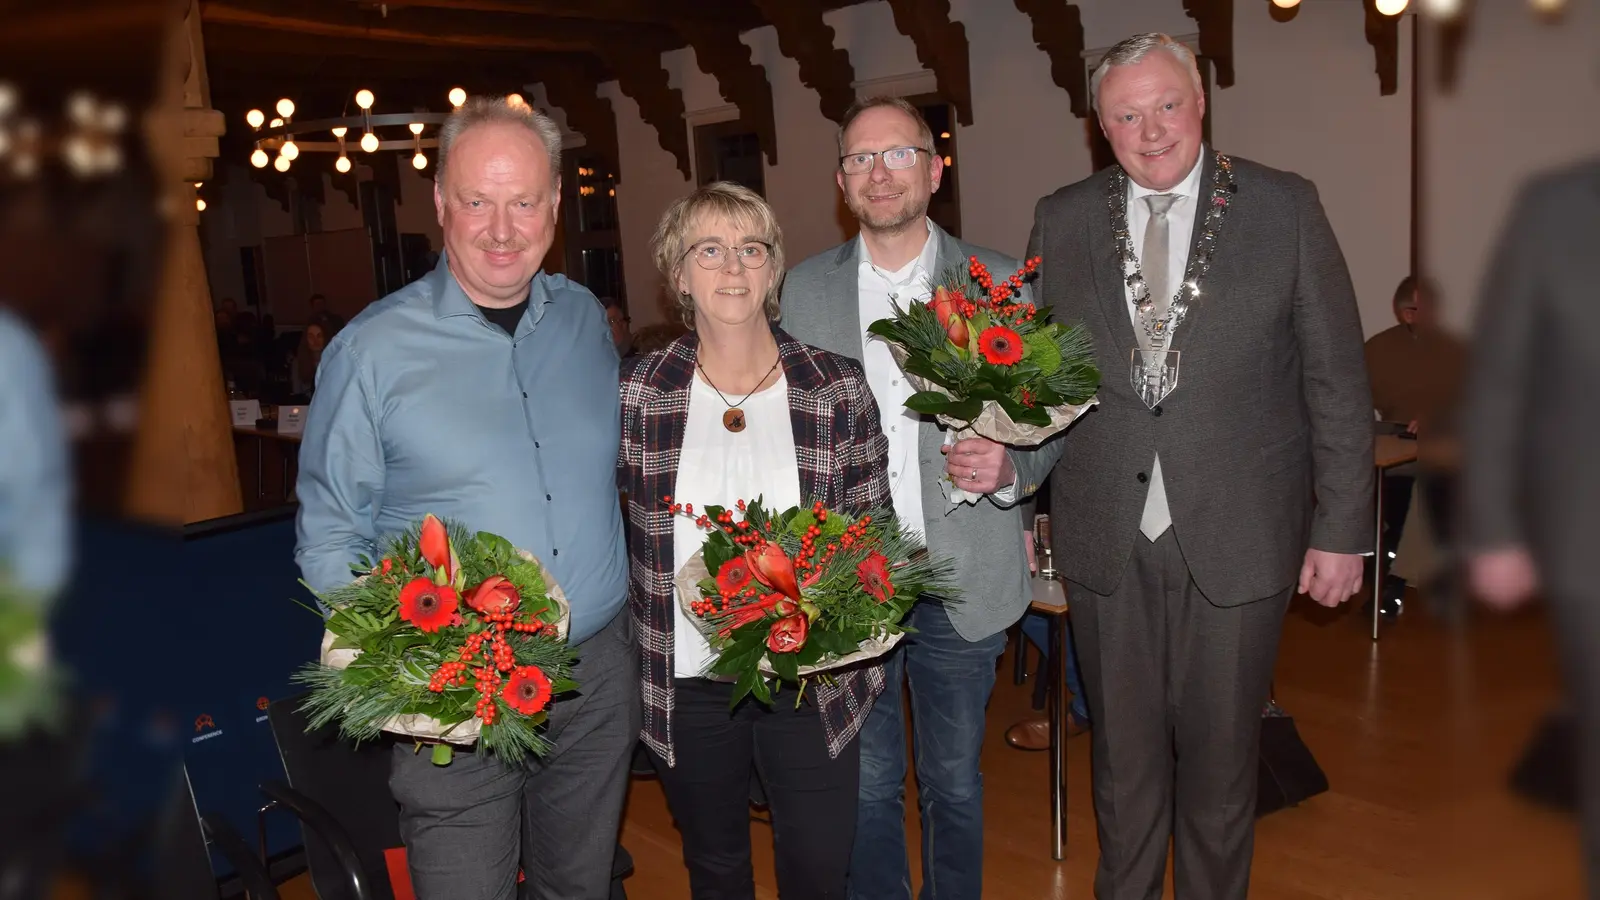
{"points": [[351, 785]]}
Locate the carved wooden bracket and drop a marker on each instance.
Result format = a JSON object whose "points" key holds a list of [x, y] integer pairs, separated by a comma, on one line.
{"points": [[804, 37], [587, 112], [1383, 33], [638, 70], [941, 48], [718, 50], [1058, 31], [1452, 36], [1215, 18]]}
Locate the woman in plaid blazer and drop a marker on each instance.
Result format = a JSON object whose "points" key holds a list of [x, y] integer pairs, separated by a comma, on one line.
{"points": [[737, 409]]}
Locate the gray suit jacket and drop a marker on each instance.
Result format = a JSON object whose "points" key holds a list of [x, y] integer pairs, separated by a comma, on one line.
{"points": [[1529, 421], [1272, 399], [821, 307]]}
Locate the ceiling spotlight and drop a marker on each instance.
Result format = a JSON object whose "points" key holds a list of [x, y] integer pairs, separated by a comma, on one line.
{"points": [[416, 127], [285, 107], [457, 96], [1286, 4], [364, 98], [419, 161], [290, 151], [1444, 9], [340, 131], [275, 123], [255, 117], [259, 158], [281, 164], [200, 204], [369, 142], [1392, 7], [342, 163]]}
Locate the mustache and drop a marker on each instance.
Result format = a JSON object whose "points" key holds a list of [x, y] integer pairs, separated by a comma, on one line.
{"points": [[516, 245]]}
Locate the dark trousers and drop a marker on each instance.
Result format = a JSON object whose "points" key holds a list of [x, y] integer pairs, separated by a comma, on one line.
{"points": [[469, 825], [1175, 686], [811, 796]]}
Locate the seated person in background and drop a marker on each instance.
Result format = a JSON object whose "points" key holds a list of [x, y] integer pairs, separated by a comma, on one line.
{"points": [[1416, 369], [621, 324], [303, 373], [330, 321]]}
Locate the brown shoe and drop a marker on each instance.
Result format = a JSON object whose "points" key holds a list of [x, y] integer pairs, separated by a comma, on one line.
{"points": [[1034, 734]]}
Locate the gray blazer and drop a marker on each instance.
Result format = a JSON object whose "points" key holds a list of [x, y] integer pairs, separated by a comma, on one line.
{"points": [[1272, 402], [1528, 421], [821, 307]]}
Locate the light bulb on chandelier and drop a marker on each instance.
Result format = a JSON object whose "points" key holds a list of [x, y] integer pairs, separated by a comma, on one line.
{"points": [[200, 204], [416, 127], [419, 161], [364, 98], [275, 123], [285, 107], [281, 164], [1443, 9], [369, 142], [1392, 7], [340, 132], [259, 158], [290, 151], [1286, 4], [457, 97], [1548, 7], [342, 164], [515, 100], [255, 117]]}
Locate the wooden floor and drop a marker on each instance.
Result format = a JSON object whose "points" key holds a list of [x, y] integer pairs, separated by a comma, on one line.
{"points": [[1415, 732]]}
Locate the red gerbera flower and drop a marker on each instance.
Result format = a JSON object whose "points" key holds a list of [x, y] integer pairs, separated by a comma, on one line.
{"points": [[527, 690], [734, 576], [427, 605], [1000, 345], [873, 573]]}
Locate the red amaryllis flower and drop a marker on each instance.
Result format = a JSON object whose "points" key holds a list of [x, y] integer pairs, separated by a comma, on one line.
{"points": [[494, 596], [735, 575], [527, 690], [774, 569], [945, 306], [873, 573], [434, 542], [1000, 345], [788, 634], [427, 605]]}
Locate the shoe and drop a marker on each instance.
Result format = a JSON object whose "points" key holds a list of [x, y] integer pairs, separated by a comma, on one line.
{"points": [[1034, 734]]}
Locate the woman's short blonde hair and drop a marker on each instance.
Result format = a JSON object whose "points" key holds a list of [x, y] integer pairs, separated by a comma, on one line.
{"points": [[721, 199]]}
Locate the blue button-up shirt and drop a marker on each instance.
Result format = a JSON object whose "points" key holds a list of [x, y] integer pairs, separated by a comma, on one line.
{"points": [[423, 406], [35, 485]]}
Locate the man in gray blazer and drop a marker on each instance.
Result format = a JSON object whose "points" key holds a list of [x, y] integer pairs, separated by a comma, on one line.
{"points": [[1233, 386], [888, 171], [1532, 492]]}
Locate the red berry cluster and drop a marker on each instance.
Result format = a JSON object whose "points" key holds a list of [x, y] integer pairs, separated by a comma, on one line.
{"points": [[999, 293], [451, 674], [1027, 398], [498, 657]]}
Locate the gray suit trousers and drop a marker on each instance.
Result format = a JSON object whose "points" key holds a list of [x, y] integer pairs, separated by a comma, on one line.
{"points": [[1175, 686], [468, 825]]}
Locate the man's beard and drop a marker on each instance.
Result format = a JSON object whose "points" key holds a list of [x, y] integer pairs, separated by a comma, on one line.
{"points": [[887, 222]]}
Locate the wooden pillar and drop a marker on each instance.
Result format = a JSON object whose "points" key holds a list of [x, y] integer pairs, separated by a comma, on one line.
{"points": [[184, 466]]}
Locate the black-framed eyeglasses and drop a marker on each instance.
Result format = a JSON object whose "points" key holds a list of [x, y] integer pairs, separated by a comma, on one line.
{"points": [[893, 158], [713, 255]]}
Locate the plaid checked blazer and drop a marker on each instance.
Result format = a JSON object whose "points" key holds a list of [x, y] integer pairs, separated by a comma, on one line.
{"points": [[843, 461]]}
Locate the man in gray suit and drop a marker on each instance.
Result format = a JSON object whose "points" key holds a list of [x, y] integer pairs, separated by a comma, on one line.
{"points": [[1233, 386], [887, 172], [1532, 495]]}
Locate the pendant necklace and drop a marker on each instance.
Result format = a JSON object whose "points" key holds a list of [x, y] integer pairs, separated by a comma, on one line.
{"points": [[733, 419]]}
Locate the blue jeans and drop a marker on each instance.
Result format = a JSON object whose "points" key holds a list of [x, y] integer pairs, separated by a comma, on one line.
{"points": [[1037, 629], [950, 678]]}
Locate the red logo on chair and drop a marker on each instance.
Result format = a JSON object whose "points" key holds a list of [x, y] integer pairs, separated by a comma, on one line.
{"points": [[203, 721], [261, 703]]}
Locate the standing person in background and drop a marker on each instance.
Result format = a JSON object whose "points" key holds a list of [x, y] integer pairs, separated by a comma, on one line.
{"points": [[1532, 492], [620, 322], [303, 371]]}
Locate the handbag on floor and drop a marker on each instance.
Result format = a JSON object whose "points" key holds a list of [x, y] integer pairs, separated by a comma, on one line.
{"points": [[1287, 774]]}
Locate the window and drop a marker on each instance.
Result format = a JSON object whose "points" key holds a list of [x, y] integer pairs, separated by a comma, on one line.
{"points": [[729, 151], [593, 243], [945, 206]]}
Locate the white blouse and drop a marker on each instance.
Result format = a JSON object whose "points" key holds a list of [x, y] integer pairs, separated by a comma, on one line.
{"points": [[718, 467]]}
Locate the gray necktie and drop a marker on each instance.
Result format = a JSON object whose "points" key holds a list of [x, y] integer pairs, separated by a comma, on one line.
{"points": [[1157, 252]]}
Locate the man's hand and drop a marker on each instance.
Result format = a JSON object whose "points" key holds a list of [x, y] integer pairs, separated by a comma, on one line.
{"points": [[1330, 578], [1504, 579], [979, 466], [1027, 543], [1411, 428]]}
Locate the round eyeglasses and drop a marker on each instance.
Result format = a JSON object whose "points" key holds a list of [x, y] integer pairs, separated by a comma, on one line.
{"points": [[893, 158], [712, 255]]}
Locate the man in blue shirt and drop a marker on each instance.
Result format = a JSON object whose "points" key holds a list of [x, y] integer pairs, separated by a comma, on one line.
{"points": [[486, 392]]}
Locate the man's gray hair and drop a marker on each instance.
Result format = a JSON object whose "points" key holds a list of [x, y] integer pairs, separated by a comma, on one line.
{"points": [[1133, 50], [495, 110]]}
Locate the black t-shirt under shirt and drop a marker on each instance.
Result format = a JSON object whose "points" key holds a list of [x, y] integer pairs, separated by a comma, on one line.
{"points": [[506, 318]]}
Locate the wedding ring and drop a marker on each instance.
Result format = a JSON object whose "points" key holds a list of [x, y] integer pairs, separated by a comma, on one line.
{"points": [[973, 476]]}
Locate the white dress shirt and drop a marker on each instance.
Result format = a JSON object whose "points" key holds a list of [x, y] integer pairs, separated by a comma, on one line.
{"points": [[1180, 228], [718, 467], [877, 289]]}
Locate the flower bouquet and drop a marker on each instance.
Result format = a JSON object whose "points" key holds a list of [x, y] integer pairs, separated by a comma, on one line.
{"points": [[791, 595], [987, 362], [452, 638], [29, 685]]}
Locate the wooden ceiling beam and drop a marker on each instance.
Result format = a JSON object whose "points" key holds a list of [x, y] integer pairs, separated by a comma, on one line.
{"points": [[588, 113], [941, 48], [718, 50], [1058, 31], [639, 73], [806, 38], [739, 13], [1215, 18], [1383, 33]]}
